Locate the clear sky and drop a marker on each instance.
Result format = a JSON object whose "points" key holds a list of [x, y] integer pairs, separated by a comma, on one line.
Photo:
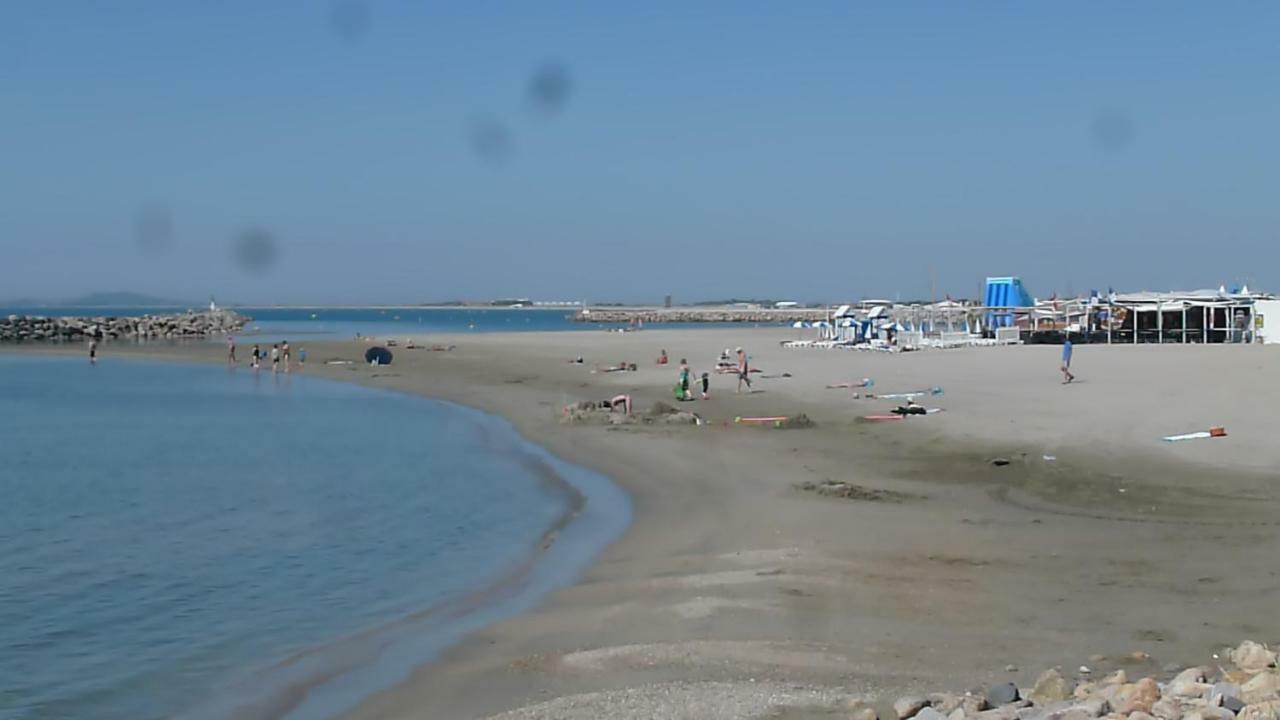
{"points": [[408, 150]]}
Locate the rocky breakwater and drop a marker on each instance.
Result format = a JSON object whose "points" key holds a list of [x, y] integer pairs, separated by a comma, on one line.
{"points": [[26, 328], [1241, 684], [699, 315]]}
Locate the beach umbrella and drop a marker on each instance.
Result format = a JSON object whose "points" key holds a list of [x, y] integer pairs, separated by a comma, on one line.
{"points": [[377, 356]]}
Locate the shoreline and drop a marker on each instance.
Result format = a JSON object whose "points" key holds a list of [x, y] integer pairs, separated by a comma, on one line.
{"points": [[330, 682], [730, 576]]}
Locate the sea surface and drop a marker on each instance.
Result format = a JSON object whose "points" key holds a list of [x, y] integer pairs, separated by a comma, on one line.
{"points": [[300, 324], [182, 539]]}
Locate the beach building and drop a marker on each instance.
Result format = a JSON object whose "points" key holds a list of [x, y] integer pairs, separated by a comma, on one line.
{"points": [[1204, 316], [1189, 316], [1266, 317]]}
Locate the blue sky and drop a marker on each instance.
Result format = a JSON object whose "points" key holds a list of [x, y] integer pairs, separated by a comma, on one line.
{"points": [[390, 150]]}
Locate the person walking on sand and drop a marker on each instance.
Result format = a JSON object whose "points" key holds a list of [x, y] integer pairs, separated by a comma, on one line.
{"points": [[284, 354], [231, 350], [684, 379], [93, 351], [255, 356], [706, 385], [744, 372], [275, 357], [1067, 377]]}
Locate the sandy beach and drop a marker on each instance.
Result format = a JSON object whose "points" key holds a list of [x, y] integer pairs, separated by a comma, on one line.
{"points": [[736, 594]]}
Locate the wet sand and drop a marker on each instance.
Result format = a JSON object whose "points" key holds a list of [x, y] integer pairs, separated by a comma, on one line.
{"points": [[735, 594]]}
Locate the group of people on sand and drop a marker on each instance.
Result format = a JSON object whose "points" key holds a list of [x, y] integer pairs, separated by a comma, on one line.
{"points": [[739, 365], [280, 354]]}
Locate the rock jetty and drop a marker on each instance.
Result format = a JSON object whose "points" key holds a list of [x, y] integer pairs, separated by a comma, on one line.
{"points": [[1247, 688], [699, 315], [24, 328]]}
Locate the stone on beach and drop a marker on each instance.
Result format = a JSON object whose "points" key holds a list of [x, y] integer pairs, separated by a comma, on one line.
{"points": [[20, 328], [928, 713], [1002, 694], [1139, 696], [1050, 687], [1252, 657], [1260, 688], [1219, 692], [864, 713], [1167, 709], [910, 706], [1269, 710]]}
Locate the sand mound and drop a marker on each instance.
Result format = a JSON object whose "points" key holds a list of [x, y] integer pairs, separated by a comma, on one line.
{"points": [[850, 491], [704, 653], [589, 413]]}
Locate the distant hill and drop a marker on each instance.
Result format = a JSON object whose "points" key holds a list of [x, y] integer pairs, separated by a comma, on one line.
{"points": [[124, 299]]}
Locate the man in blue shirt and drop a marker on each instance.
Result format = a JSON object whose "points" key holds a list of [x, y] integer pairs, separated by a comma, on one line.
{"points": [[1066, 361]]}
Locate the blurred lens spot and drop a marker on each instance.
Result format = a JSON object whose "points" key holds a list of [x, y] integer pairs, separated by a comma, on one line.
{"points": [[490, 141], [254, 250], [550, 87], [350, 19], [153, 229], [1112, 130]]}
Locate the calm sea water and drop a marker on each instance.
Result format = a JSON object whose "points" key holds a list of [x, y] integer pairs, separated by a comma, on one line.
{"points": [[170, 533], [300, 324]]}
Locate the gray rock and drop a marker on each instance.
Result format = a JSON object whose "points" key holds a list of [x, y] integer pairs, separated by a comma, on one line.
{"points": [[1222, 689], [1002, 694]]}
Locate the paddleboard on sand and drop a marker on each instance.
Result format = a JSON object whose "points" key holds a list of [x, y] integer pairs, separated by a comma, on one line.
{"points": [[753, 420], [896, 416], [910, 394], [1210, 433]]}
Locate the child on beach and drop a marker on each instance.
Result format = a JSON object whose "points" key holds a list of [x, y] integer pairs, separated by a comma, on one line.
{"points": [[684, 378], [706, 385]]}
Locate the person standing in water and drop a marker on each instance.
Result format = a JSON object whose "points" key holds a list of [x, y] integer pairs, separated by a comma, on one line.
{"points": [[255, 357], [1066, 361], [231, 350], [275, 357], [93, 351], [744, 372], [284, 354]]}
